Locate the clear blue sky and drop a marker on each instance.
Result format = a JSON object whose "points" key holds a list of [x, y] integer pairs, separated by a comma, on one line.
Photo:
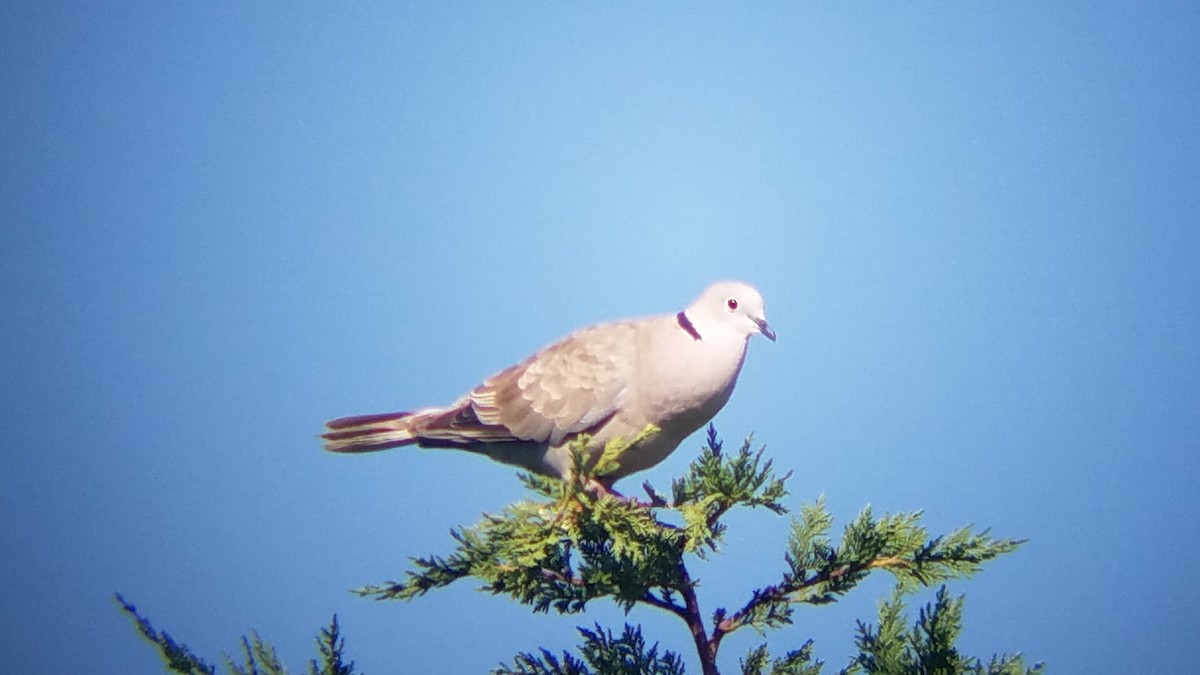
{"points": [[976, 226]]}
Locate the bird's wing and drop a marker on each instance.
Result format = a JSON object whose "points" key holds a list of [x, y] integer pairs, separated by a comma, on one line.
{"points": [[566, 388]]}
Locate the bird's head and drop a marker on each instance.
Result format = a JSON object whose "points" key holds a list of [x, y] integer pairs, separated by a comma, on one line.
{"points": [[732, 307]]}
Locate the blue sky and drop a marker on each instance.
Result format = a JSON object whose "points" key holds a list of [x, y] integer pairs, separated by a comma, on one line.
{"points": [[976, 227]]}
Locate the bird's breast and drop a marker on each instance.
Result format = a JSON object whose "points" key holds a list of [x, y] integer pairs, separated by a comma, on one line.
{"points": [[692, 383]]}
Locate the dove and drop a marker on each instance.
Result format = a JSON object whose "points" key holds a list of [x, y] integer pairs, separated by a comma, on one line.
{"points": [[609, 381]]}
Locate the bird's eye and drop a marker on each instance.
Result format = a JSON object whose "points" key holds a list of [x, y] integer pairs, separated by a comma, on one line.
{"points": [[732, 304]]}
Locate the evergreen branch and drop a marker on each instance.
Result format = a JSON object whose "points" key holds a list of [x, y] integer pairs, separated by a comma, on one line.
{"points": [[820, 573], [588, 544], [545, 663], [558, 555], [177, 656], [562, 578], [796, 662], [928, 647], [663, 601], [332, 647], [723, 482], [258, 656], [610, 457], [582, 542], [542, 485], [705, 648], [604, 653]]}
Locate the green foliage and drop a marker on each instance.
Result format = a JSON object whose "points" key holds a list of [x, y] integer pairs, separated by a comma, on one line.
{"points": [[177, 657], [586, 545], [716, 483], [258, 657], [546, 557], [796, 662], [560, 554], [331, 646], [576, 542], [819, 572], [892, 648], [603, 653]]}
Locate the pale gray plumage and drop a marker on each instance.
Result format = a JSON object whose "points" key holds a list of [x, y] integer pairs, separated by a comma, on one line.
{"points": [[608, 381]]}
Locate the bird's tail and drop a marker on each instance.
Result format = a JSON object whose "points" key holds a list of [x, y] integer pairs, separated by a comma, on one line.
{"points": [[455, 426], [368, 433]]}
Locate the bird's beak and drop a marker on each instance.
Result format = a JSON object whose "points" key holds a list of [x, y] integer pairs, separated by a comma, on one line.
{"points": [[765, 329]]}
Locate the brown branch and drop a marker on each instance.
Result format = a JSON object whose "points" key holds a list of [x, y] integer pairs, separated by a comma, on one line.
{"points": [[781, 593], [560, 577], [664, 604], [705, 648], [892, 561], [716, 516]]}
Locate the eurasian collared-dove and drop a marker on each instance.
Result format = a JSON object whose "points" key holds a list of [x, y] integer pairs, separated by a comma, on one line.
{"points": [[610, 381]]}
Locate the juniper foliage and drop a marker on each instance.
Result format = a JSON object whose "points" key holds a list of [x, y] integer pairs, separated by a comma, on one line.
{"points": [[258, 657], [573, 544], [602, 653], [927, 647], [580, 545]]}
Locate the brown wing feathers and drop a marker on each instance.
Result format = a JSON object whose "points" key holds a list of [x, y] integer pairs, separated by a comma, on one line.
{"points": [[563, 390]]}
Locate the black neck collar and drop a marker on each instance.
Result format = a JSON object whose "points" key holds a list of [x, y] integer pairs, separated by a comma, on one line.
{"points": [[686, 325]]}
